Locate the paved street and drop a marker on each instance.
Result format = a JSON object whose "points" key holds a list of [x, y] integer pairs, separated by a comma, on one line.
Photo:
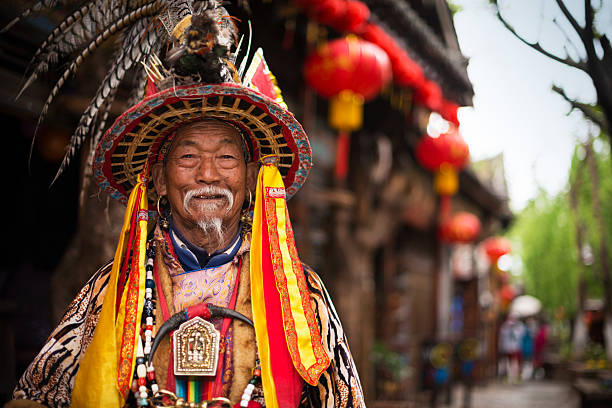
{"points": [[534, 394]]}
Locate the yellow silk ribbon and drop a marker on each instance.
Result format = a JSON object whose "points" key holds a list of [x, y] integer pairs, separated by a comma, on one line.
{"points": [[258, 302], [302, 335], [98, 382]]}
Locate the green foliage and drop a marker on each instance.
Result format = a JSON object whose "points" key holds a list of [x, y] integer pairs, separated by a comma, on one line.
{"points": [[544, 235], [547, 249], [595, 351]]}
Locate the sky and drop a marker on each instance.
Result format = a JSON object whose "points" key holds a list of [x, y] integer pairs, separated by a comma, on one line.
{"points": [[515, 111]]}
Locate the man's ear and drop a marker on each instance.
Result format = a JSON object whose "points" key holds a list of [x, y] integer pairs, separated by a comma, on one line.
{"points": [[251, 177], [159, 179]]}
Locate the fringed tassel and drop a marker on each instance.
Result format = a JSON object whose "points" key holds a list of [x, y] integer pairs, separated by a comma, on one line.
{"points": [[288, 339], [105, 372]]}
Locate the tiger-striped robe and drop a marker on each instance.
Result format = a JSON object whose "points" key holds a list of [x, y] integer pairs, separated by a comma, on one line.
{"points": [[50, 377]]}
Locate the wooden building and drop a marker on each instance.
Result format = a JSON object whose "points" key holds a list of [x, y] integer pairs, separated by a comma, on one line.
{"points": [[372, 239]]}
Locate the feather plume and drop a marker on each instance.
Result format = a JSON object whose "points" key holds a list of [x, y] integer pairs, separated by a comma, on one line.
{"points": [[140, 84], [99, 127], [134, 49], [95, 43], [43, 62], [37, 7], [201, 54], [183, 8], [76, 31]]}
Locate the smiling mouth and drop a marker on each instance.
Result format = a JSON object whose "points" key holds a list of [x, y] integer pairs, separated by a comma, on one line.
{"points": [[210, 197]]}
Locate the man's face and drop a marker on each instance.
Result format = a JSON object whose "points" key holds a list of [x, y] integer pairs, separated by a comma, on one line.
{"points": [[205, 175]]}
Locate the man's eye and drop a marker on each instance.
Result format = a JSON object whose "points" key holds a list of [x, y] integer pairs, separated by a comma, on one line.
{"points": [[188, 160], [227, 156]]}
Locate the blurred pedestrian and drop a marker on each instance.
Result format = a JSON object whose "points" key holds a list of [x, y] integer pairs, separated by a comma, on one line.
{"points": [[541, 340], [527, 348], [510, 337]]}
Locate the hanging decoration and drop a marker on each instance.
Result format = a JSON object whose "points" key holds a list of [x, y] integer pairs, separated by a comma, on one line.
{"points": [[429, 95], [506, 294], [496, 247], [445, 155], [462, 227], [348, 71], [351, 16]]}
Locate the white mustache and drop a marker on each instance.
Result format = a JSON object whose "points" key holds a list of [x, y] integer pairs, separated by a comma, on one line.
{"points": [[209, 191]]}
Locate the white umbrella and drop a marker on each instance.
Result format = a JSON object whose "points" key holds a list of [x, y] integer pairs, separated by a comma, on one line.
{"points": [[524, 306]]}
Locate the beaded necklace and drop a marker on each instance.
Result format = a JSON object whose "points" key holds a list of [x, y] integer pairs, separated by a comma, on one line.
{"points": [[144, 386], [145, 373]]}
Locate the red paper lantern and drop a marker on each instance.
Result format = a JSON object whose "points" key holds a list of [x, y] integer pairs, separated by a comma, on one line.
{"points": [[349, 71], [406, 72], [496, 247], [449, 148], [351, 16], [348, 64], [344, 15], [463, 227], [446, 155]]}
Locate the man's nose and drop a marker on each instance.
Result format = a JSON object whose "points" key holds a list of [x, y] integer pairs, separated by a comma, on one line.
{"points": [[208, 173]]}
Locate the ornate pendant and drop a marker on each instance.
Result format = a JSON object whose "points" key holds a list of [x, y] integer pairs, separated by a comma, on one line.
{"points": [[196, 348]]}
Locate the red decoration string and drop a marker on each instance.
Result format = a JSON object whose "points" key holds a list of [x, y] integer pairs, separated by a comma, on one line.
{"points": [[342, 155], [352, 16], [445, 208]]}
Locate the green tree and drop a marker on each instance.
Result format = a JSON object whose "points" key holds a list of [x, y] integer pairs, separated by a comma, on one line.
{"points": [[545, 238], [545, 235]]}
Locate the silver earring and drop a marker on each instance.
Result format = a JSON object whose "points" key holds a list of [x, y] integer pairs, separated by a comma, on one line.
{"points": [[246, 217], [163, 220]]}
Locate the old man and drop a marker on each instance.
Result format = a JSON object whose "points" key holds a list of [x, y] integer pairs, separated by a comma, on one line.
{"points": [[206, 300]]}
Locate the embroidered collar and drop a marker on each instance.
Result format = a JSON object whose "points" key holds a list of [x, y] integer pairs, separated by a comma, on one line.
{"points": [[194, 258]]}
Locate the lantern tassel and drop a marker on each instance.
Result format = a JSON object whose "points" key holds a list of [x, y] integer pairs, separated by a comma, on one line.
{"points": [[342, 155], [445, 208]]}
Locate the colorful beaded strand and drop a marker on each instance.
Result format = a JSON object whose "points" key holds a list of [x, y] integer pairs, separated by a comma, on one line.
{"points": [[145, 373], [247, 394]]}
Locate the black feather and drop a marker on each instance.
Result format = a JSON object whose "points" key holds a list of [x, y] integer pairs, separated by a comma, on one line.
{"points": [[134, 48], [201, 57], [39, 6], [76, 31]]}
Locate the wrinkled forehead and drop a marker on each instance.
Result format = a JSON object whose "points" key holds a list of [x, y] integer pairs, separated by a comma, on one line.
{"points": [[215, 130]]}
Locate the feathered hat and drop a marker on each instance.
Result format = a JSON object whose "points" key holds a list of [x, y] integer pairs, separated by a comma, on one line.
{"points": [[188, 50], [198, 44], [199, 80]]}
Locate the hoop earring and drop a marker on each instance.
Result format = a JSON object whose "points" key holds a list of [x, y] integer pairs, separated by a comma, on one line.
{"points": [[246, 217], [250, 199], [163, 220]]}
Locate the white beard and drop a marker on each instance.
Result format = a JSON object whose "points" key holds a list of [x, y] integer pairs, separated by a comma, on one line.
{"points": [[214, 228], [211, 225]]}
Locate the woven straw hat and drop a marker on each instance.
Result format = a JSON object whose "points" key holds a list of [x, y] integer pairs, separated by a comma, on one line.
{"points": [[138, 134]]}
